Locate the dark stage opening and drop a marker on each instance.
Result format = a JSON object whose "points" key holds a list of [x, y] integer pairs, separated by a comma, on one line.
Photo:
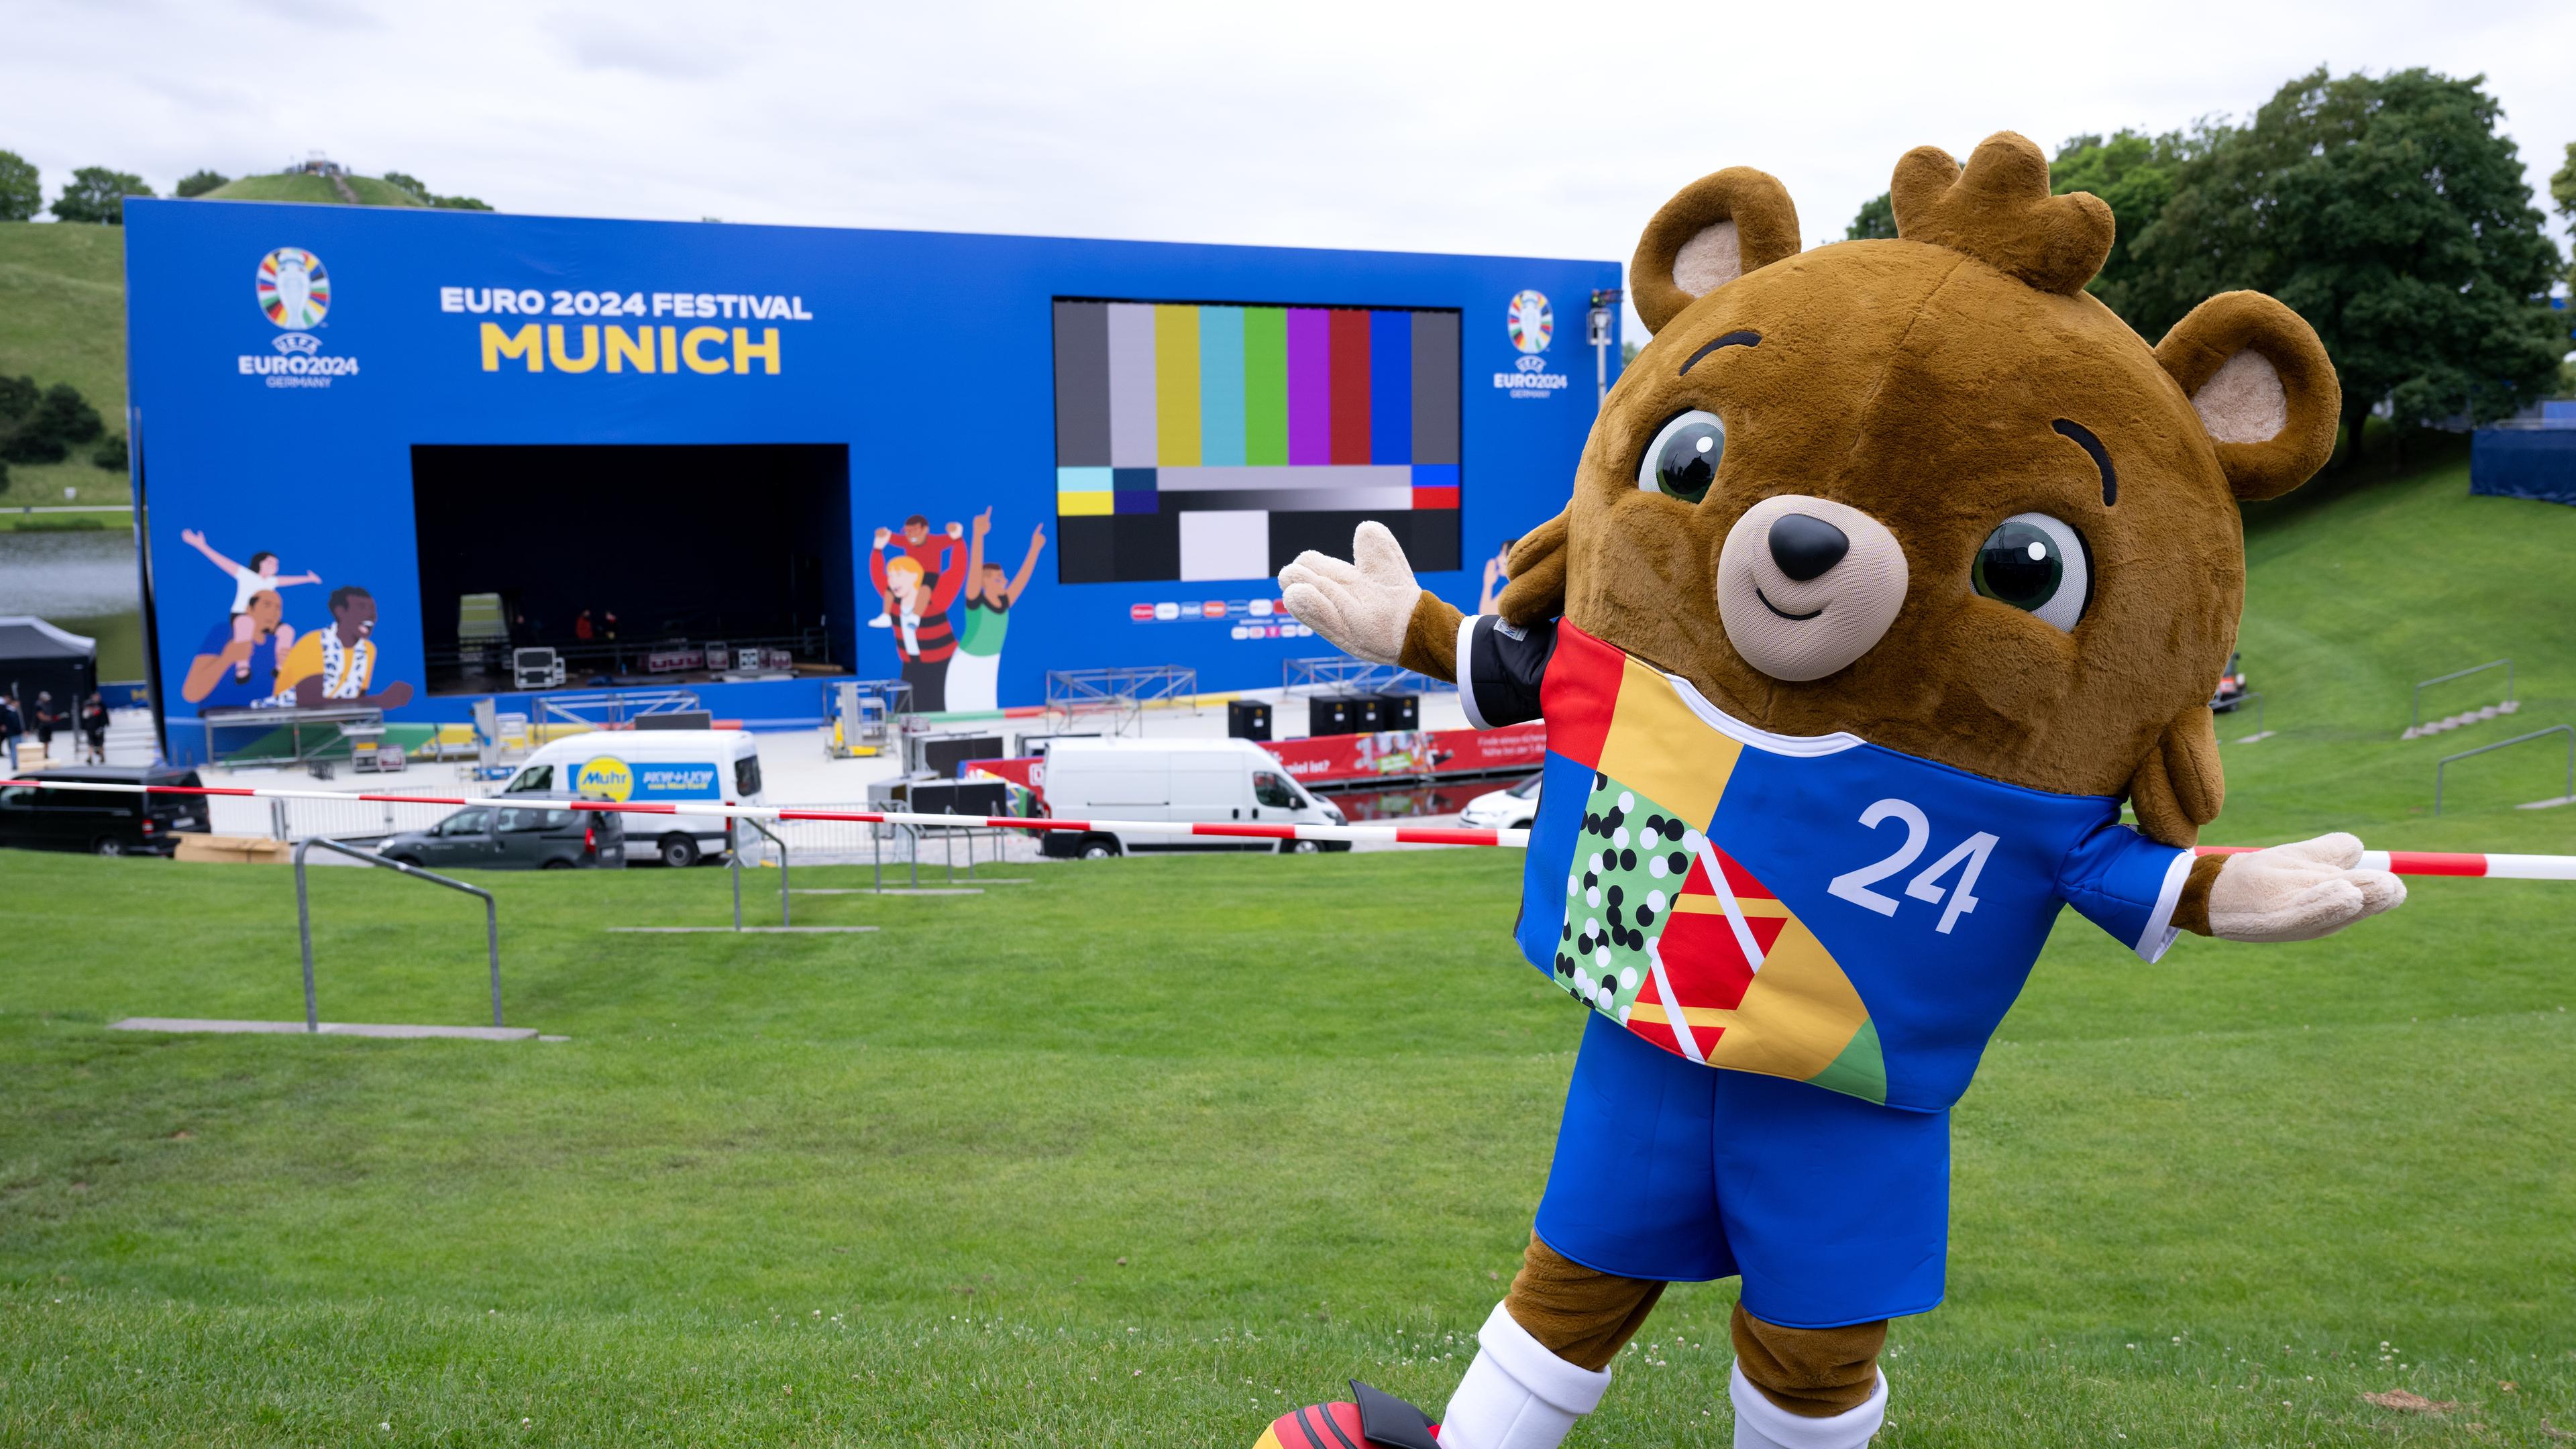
{"points": [[638, 565]]}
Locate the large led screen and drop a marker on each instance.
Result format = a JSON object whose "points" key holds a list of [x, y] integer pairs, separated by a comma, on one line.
{"points": [[1198, 441]]}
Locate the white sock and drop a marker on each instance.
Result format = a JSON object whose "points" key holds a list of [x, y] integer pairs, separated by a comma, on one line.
{"points": [[1517, 1395], [1762, 1424]]}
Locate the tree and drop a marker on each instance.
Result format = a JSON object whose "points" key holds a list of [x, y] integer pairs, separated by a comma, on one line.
{"points": [[21, 196], [198, 183], [2390, 214], [416, 187], [42, 427], [97, 195], [2562, 189], [2135, 174], [1876, 221], [110, 453]]}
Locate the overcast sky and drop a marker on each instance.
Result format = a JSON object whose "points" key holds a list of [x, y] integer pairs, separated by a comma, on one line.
{"points": [[1550, 130]]}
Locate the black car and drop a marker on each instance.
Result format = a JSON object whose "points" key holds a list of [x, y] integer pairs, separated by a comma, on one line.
{"points": [[98, 821], [537, 835]]}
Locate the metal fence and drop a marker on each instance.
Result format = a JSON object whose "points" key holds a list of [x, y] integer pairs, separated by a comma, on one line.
{"points": [[2568, 792], [351, 819], [2417, 726], [304, 918]]}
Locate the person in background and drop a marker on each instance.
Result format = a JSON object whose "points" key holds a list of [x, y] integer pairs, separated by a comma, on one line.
{"points": [[12, 725], [93, 727], [49, 718], [582, 628]]}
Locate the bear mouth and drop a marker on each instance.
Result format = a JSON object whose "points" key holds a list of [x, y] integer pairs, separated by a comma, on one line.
{"points": [[1783, 613]]}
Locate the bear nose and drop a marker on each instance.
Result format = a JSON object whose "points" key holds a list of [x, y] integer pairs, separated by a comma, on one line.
{"points": [[1806, 547]]}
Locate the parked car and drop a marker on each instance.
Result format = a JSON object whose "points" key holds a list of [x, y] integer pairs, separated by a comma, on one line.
{"points": [[1227, 780], [666, 767], [99, 822], [1512, 809], [2231, 686], [536, 835]]}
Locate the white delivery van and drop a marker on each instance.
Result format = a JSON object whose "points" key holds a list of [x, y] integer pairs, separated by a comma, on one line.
{"points": [[657, 767], [1226, 780]]}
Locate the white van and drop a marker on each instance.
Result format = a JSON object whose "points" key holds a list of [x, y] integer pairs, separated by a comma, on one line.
{"points": [[1228, 779], [661, 767]]}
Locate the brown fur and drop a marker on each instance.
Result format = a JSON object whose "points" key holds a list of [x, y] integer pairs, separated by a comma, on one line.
{"points": [[1537, 565], [1818, 1372], [1579, 1314], [2191, 913], [1431, 638], [1918, 382], [1766, 229], [1585, 1317], [1998, 210]]}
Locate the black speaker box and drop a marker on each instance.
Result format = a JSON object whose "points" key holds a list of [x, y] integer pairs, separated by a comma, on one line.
{"points": [[1247, 719]]}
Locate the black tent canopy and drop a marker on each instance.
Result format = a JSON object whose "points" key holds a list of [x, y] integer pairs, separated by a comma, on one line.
{"points": [[34, 655]]}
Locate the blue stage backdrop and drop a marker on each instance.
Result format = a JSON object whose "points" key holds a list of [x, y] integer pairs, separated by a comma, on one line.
{"points": [[376, 448]]}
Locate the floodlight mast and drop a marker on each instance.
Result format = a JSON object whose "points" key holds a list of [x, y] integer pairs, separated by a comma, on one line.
{"points": [[1604, 301]]}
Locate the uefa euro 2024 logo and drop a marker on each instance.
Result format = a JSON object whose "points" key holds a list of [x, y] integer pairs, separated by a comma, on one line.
{"points": [[1531, 320], [294, 291]]}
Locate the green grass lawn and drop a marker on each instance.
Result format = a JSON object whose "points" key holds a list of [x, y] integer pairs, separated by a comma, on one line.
{"points": [[1146, 1152], [1142, 1153]]}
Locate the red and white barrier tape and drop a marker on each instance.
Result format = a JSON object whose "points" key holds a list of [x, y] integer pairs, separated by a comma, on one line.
{"points": [[1400, 834], [2400, 862], [2446, 862]]}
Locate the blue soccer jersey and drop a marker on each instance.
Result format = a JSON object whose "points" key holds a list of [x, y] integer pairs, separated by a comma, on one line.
{"points": [[1818, 908]]}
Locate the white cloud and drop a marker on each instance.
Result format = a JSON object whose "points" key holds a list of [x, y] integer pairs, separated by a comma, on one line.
{"points": [[1450, 128]]}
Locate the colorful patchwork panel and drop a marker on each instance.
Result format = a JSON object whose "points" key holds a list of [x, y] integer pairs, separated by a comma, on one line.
{"points": [[1661, 930]]}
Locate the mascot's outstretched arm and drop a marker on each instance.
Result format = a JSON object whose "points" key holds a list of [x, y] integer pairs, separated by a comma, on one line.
{"points": [[1371, 608]]}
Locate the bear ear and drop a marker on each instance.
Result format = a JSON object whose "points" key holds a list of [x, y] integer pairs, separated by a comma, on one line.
{"points": [[2263, 386], [1716, 230]]}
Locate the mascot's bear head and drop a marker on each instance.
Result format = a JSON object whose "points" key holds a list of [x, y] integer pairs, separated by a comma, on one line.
{"points": [[1929, 490]]}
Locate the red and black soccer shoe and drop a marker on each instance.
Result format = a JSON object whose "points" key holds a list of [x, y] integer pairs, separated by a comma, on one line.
{"points": [[1372, 1421]]}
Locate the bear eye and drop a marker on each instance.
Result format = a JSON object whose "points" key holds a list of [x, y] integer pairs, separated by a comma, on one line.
{"points": [[1682, 460], [2038, 565]]}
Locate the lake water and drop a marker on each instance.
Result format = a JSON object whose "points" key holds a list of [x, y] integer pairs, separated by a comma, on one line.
{"points": [[83, 581]]}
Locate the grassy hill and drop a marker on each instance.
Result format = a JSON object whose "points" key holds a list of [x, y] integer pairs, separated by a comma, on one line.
{"points": [[62, 308], [2360, 585], [299, 186], [62, 319]]}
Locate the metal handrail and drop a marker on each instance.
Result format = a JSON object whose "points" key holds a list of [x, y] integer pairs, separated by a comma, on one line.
{"points": [[2415, 705], [304, 918], [2567, 730], [733, 855]]}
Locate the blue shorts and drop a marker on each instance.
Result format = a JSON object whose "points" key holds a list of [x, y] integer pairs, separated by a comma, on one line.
{"points": [[1833, 1210]]}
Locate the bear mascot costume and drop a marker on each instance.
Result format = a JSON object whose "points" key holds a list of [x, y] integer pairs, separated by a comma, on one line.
{"points": [[1891, 569]]}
